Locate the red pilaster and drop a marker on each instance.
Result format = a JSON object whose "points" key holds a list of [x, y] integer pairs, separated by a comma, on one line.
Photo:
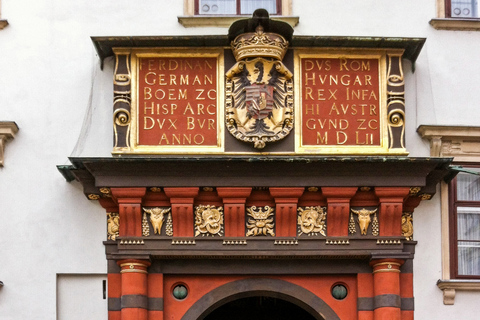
{"points": [[386, 289], [365, 296], [114, 292], [234, 210], [155, 296], [406, 293], [134, 300], [391, 208], [182, 210], [129, 207], [338, 200], [286, 200]]}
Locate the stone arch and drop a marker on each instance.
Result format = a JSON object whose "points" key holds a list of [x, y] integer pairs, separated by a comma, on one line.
{"points": [[274, 288]]}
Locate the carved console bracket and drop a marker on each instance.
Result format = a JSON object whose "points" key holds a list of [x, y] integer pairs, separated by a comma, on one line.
{"points": [[461, 142], [450, 286], [8, 129]]}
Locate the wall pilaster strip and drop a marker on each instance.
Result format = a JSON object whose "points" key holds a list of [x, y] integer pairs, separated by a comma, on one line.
{"points": [[338, 200], [286, 200], [234, 209]]}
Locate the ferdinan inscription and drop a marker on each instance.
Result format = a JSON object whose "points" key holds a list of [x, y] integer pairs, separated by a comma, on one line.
{"points": [[177, 101], [340, 102]]}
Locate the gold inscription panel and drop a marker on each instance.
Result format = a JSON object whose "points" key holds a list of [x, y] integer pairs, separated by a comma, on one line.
{"points": [[341, 102], [177, 101]]}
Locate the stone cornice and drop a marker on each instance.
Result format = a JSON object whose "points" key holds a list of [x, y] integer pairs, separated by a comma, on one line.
{"points": [[456, 24]]}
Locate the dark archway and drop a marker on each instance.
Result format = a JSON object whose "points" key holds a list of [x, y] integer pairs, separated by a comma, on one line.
{"points": [[254, 287], [259, 308]]}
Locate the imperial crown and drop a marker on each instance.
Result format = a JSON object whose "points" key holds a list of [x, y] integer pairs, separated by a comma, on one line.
{"points": [[259, 44]]}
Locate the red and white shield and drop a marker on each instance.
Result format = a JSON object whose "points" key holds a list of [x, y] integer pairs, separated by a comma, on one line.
{"points": [[259, 100]]}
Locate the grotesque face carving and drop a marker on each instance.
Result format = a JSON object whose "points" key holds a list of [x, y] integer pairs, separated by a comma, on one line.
{"points": [[208, 221]]}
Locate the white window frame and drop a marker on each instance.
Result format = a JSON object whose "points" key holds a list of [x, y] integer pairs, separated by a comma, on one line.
{"points": [[442, 22], [463, 144], [189, 19]]}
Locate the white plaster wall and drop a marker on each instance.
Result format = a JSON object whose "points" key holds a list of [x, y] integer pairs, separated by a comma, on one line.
{"points": [[52, 86]]}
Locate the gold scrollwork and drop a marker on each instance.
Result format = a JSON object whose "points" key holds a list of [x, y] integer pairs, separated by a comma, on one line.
{"points": [[113, 225], [407, 225], [157, 216], [364, 219], [260, 221], [208, 221], [396, 118], [311, 221]]}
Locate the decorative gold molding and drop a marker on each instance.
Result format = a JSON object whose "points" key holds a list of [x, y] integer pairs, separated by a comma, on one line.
{"points": [[132, 242], [337, 242], [456, 24], [234, 242], [449, 288], [8, 129]]}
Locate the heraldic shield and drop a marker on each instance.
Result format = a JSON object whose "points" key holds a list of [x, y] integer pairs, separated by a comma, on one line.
{"points": [[259, 89]]}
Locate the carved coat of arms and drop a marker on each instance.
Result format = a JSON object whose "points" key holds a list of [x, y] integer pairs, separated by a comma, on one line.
{"points": [[259, 89]]}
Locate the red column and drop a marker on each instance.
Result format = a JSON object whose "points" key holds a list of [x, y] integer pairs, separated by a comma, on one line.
{"points": [[130, 211], [386, 289], [182, 210], [134, 300], [155, 296], [234, 210], [286, 200], [338, 200], [391, 208]]}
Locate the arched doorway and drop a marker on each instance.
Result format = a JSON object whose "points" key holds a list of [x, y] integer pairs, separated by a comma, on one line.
{"points": [[281, 292], [259, 308]]}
